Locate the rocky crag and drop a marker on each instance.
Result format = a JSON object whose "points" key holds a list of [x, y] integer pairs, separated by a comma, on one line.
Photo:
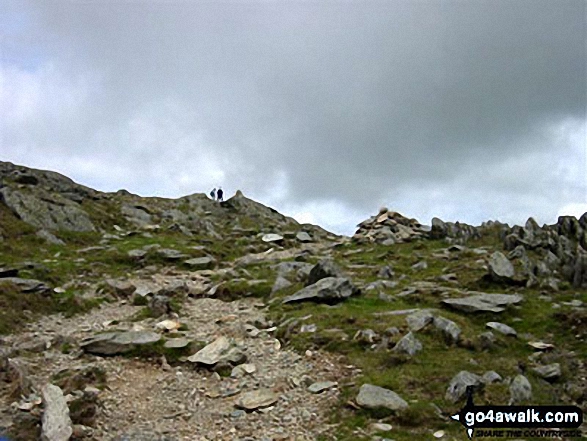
{"points": [[132, 318]]}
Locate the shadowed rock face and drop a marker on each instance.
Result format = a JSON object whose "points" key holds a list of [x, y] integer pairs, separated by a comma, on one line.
{"points": [[46, 211]]}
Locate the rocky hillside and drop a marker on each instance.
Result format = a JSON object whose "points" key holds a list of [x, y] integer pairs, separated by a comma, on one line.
{"points": [[150, 319]]}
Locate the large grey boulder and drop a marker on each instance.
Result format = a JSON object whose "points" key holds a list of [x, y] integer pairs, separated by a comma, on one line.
{"points": [[373, 397], [220, 350], [304, 237], [56, 422], [136, 214], [118, 342], [549, 372], [448, 327], [458, 385], [483, 302], [408, 344], [46, 211], [500, 268], [324, 268], [419, 319], [438, 229], [520, 390], [328, 290], [26, 285]]}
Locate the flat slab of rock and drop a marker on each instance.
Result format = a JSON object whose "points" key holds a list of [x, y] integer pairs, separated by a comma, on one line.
{"points": [[170, 254], [177, 343], [26, 285], [221, 349], [483, 302], [256, 399], [549, 372], [56, 422], [458, 385], [272, 237], [112, 343], [328, 290], [502, 328], [201, 263], [372, 397], [321, 386]]}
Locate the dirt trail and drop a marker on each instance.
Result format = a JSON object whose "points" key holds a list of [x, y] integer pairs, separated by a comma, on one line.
{"points": [[148, 400]]}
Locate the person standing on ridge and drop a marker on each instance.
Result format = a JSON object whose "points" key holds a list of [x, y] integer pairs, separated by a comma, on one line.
{"points": [[220, 193], [213, 194]]}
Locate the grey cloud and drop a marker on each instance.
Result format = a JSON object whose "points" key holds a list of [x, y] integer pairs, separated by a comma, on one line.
{"points": [[355, 102]]}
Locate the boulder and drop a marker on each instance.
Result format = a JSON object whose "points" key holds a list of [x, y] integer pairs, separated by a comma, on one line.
{"points": [[458, 385], [121, 288], [448, 327], [502, 328], [304, 237], [56, 423], [328, 290], [500, 268], [26, 285], [256, 399], [483, 302], [272, 238], [373, 397], [419, 320], [438, 229], [321, 386], [520, 390], [408, 344], [220, 350], [159, 305], [138, 215], [490, 377], [118, 342], [550, 372], [324, 268]]}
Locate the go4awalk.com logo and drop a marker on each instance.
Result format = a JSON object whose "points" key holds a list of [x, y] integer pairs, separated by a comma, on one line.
{"points": [[519, 421]]}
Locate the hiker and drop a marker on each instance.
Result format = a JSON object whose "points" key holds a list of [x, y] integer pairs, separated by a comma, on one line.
{"points": [[213, 194], [220, 193]]}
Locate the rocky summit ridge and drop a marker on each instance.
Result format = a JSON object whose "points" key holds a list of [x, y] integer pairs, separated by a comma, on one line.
{"points": [[147, 319]]}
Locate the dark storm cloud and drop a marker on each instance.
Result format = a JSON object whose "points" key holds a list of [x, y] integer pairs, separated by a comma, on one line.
{"points": [[353, 102]]}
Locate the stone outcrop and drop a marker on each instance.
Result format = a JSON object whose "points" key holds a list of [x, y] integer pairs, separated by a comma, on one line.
{"points": [[373, 397], [328, 290], [389, 227], [45, 210]]}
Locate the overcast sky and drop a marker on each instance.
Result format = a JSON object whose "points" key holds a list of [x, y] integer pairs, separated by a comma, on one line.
{"points": [[467, 110]]}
